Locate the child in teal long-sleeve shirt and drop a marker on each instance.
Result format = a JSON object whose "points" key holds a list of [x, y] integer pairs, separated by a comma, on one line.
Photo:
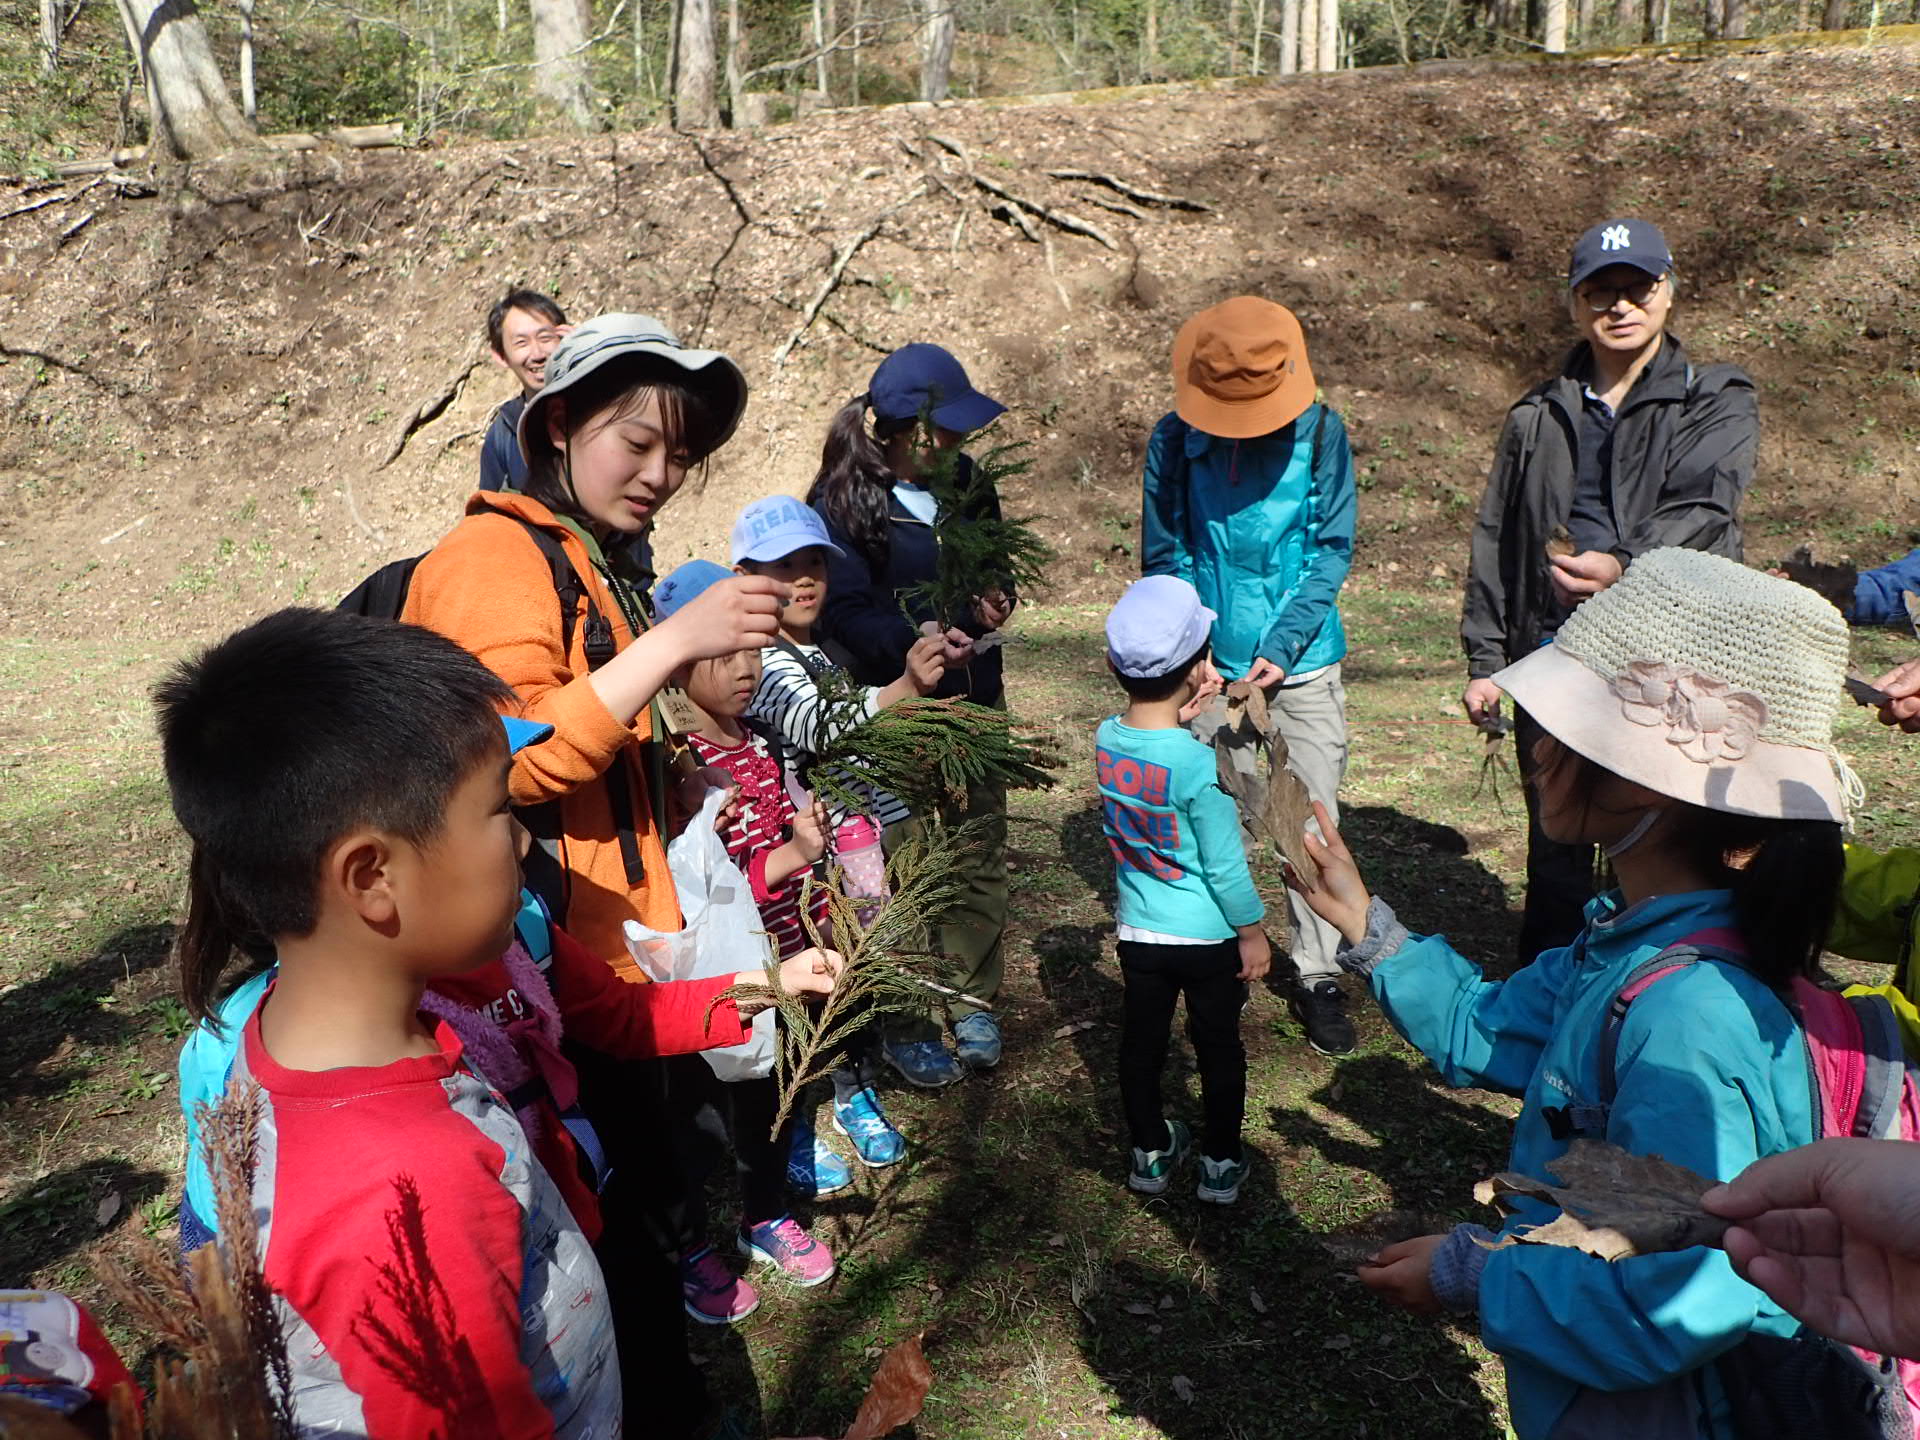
{"points": [[1188, 913]]}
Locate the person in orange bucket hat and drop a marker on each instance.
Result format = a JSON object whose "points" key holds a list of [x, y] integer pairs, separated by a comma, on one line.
{"points": [[1249, 496]]}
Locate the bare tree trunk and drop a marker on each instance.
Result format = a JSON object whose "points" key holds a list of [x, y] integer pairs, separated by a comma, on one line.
{"points": [[936, 49], [50, 19], [1233, 37], [1309, 36], [1834, 17], [819, 43], [859, 19], [500, 16], [1622, 21], [1329, 35], [1803, 14], [735, 86], [694, 104], [1289, 37], [560, 30], [249, 105], [1734, 16], [1150, 43], [192, 113], [1556, 26], [1259, 35], [1666, 21], [1649, 23], [642, 64], [1710, 20], [1582, 23]]}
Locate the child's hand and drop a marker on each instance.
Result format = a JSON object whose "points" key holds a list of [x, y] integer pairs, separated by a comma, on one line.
{"points": [[1402, 1274], [810, 831], [959, 644], [1210, 686], [993, 609], [739, 613], [1341, 897], [811, 972], [1256, 954], [926, 663]]}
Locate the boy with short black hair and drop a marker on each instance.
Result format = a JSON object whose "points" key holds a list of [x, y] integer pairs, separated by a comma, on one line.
{"points": [[344, 782], [1187, 911], [524, 327]]}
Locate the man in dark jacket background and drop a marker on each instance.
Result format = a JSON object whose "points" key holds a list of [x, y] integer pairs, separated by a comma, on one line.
{"points": [[524, 327], [1631, 449]]}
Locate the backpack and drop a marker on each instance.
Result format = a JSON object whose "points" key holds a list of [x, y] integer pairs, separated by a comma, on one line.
{"points": [[383, 595], [1806, 1386]]}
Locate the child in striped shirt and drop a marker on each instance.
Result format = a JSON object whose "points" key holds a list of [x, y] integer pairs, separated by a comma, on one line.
{"points": [[779, 536]]}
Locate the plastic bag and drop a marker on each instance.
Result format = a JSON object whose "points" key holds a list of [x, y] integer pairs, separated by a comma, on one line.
{"points": [[722, 934]]}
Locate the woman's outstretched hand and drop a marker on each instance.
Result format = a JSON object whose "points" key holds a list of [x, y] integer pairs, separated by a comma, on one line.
{"points": [[1340, 898], [1832, 1232]]}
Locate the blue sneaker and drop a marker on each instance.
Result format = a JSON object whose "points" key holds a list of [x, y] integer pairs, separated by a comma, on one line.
{"points": [[978, 1037], [813, 1168], [925, 1063], [874, 1139]]}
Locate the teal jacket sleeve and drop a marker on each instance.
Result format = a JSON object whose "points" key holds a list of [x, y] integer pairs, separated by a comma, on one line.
{"points": [[1332, 505], [1165, 548], [1475, 1031], [1223, 853], [1640, 1321]]}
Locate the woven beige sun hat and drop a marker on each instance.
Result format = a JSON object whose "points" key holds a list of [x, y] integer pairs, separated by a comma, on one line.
{"points": [[1703, 680]]}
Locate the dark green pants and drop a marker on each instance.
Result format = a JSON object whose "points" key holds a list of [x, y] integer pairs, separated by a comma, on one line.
{"points": [[971, 935]]}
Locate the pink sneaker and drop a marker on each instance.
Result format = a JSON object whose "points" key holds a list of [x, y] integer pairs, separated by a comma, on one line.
{"points": [[803, 1259], [713, 1294]]}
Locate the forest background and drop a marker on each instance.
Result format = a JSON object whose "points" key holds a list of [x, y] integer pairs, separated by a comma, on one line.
{"points": [[80, 75]]}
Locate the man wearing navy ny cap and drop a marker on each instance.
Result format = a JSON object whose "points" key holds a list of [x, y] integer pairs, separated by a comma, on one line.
{"points": [[1631, 448]]}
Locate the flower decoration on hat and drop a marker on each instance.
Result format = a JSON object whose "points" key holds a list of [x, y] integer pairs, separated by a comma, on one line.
{"points": [[1707, 719]]}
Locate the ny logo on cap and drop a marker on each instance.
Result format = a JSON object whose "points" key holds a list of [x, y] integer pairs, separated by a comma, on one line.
{"points": [[1614, 237]]}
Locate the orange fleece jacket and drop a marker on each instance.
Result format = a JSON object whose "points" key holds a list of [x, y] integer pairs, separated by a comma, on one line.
{"points": [[488, 587]]}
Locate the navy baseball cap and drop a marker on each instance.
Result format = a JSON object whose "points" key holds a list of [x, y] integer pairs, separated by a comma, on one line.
{"points": [[926, 377], [1638, 243]]}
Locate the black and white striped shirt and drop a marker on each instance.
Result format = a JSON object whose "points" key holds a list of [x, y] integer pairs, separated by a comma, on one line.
{"points": [[788, 703]]}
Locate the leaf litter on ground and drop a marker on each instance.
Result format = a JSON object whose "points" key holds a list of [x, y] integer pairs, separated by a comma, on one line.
{"points": [[1612, 1203]]}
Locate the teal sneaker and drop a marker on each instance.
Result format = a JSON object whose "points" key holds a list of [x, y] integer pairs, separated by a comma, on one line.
{"points": [[1220, 1180], [813, 1169], [1151, 1169], [863, 1122]]}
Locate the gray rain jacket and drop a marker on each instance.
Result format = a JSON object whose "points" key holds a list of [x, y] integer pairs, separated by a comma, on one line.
{"points": [[1683, 455]]}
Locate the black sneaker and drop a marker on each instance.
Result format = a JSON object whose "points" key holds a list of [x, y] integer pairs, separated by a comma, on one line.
{"points": [[1321, 1010]]}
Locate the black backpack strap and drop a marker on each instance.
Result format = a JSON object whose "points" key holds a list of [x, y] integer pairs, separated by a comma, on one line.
{"points": [[1884, 1085], [545, 868]]}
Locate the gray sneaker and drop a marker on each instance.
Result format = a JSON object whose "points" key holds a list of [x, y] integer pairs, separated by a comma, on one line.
{"points": [[977, 1040]]}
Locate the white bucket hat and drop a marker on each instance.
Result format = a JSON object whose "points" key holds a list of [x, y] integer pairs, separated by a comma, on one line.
{"points": [[1703, 680]]}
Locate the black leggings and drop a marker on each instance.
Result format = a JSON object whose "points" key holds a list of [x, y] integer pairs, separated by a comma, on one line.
{"points": [[710, 1116], [1209, 976], [638, 1249]]}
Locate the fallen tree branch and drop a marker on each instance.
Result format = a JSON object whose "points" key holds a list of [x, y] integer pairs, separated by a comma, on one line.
{"points": [[36, 205], [425, 413], [839, 267], [1132, 192], [1119, 207], [353, 137], [75, 228], [1060, 219]]}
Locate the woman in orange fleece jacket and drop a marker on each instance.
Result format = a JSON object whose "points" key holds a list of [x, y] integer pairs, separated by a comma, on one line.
{"points": [[625, 412]]}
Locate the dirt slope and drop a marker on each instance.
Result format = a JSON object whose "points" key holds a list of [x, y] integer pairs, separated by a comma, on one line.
{"points": [[197, 387]]}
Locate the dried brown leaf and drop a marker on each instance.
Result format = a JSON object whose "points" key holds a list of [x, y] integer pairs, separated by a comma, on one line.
{"points": [[898, 1391], [1560, 542], [1613, 1204], [1912, 603]]}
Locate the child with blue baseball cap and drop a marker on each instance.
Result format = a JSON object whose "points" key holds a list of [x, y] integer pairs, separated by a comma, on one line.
{"points": [[776, 846], [1187, 911]]}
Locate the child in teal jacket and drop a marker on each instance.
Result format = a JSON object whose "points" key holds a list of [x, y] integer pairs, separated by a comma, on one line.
{"points": [[1250, 497], [1698, 753]]}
